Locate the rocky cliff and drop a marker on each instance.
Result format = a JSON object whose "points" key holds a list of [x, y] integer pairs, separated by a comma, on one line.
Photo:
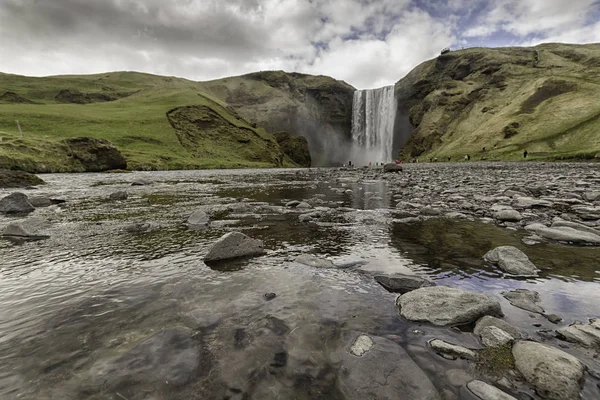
{"points": [[499, 103]]}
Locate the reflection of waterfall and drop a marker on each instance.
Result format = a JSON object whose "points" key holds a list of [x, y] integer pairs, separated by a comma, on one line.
{"points": [[373, 115]]}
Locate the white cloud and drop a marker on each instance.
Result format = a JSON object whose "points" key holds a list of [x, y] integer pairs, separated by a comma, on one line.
{"points": [[368, 43]]}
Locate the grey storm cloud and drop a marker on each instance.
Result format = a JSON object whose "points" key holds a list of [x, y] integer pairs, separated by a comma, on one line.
{"points": [[368, 43]]}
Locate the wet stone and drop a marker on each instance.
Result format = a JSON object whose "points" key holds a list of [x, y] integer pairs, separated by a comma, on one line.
{"points": [[234, 245], [451, 351], [524, 299], [16, 203], [488, 392], [168, 358], [441, 305], [400, 283], [314, 261], [511, 260], [120, 195]]}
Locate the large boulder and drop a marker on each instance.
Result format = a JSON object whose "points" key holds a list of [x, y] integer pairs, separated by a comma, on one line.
{"points": [[372, 367], [95, 155], [511, 260], [566, 232], [392, 167], [401, 283], [15, 179], [234, 245], [555, 374], [441, 305], [169, 358], [16, 203]]}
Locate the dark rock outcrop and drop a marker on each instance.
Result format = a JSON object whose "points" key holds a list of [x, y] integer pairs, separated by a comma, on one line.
{"points": [[295, 147], [95, 155], [16, 203], [14, 179]]}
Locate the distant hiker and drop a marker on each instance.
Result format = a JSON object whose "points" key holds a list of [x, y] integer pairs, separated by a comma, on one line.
{"points": [[525, 154], [435, 159], [430, 159], [468, 157], [350, 163], [484, 149], [449, 158]]}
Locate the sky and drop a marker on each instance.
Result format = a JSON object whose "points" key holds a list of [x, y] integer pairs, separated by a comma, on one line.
{"points": [[367, 43]]}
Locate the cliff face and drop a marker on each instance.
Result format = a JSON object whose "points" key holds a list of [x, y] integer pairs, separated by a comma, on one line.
{"points": [[497, 103], [316, 107]]}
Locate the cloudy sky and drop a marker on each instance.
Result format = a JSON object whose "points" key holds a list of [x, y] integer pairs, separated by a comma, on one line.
{"points": [[367, 43]]}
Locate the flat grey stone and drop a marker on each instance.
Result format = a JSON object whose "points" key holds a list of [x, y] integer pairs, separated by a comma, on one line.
{"points": [[30, 229], [555, 374], [488, 392], [524, 299], [564, 233], [529, 202], [511, 260], [198, 218], [492, 336], [441, 305], [314, 261], [234, 245], [487, 321], [587, 335], [452, 351]]}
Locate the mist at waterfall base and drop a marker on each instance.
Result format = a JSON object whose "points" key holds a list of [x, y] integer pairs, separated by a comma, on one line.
{"points": [[373, 119]]}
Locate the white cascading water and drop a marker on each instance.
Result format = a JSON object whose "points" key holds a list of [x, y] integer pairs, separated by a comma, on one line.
{"points": [[373, 116]]}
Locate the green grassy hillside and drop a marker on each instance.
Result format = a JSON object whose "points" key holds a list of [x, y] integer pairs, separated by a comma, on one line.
{"points": [[156, 122], [543, 99]]}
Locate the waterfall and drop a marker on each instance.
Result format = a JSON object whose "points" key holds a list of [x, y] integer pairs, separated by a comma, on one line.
{"points": [[373, 116]]}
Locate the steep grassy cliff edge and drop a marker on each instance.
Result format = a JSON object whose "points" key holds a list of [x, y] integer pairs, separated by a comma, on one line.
{"points": [[159, 123], [498, 103]]}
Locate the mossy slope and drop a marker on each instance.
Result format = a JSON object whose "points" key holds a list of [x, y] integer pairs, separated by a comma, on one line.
{"points": [[497, 103], [130, 110]]}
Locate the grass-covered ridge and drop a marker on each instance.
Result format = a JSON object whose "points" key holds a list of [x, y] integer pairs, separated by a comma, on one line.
{"points": [[130, 109], [496, 103]]}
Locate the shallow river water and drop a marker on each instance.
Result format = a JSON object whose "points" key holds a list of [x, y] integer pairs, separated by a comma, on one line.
{"points": [[72, 304]]}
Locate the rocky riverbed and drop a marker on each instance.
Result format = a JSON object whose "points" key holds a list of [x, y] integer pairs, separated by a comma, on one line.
{"points": [[443, 281]]}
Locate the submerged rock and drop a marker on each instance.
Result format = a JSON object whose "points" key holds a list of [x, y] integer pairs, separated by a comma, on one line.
{"points": [[488, 392], [120, 195], [511, 260], [400, 283], [441, 305], [372, 367], [452, 351], [169, 358], [587, 335], [555, 374], [141, 182], [198, 219], [234, 245], [524, 299], [314, 261], [141, 227], [16, 203]]}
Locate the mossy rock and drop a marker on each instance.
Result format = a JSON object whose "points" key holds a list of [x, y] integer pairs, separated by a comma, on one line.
{"points": [[496, 361], [295, 147], [95, 155], [16, 179]]}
